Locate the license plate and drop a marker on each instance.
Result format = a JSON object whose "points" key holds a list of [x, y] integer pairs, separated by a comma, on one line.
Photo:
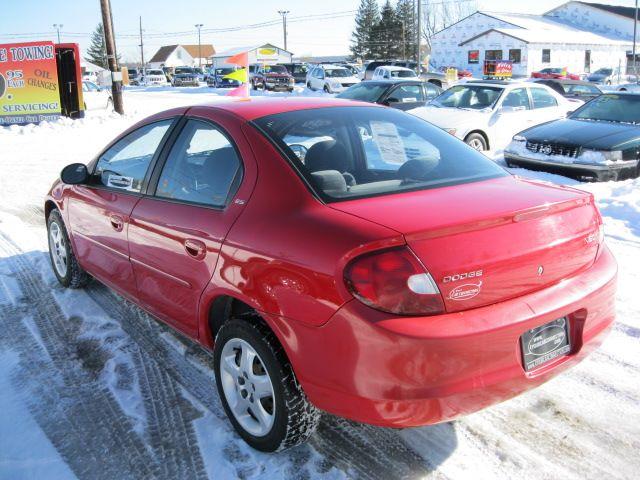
{"points": [[544, 343]]}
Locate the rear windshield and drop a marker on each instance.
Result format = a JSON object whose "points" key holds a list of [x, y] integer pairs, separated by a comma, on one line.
{"points": [[611, 108], [351, 152], [364, 91]]}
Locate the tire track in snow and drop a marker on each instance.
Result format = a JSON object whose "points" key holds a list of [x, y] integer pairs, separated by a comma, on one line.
{"points": [[76, 411], [360, 450]]}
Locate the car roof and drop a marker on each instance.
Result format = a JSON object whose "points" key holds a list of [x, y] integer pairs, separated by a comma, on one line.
{"points": [[564, 81], [393, 81], [256, 107], [394, 67]]}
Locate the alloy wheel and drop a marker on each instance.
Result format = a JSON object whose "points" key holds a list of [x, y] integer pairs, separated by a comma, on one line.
{"points": [[477, 144], [58, 249], [247, 387]]}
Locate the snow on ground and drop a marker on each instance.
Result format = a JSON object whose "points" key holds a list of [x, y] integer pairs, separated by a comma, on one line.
{"points": [[92, 387]]}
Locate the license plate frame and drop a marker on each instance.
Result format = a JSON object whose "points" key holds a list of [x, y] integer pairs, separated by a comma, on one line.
{"points": [[545, 343]]}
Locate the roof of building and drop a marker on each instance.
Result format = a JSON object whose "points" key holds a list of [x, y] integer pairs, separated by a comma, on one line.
{"points": [[541, 29], [629, 12], [206, 50], [247, 48], [164, 52]]}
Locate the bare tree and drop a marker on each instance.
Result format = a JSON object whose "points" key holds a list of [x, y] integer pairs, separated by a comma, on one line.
{"points": [[440, 14]]}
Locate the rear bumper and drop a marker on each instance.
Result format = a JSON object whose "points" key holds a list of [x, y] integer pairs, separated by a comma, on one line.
{"points": [[400, 372], [598, 172]]}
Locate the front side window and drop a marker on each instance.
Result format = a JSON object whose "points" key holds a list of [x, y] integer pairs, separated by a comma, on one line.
{"points": [[202, 167], [581, 89], [351, 152], [125, 164], [475, 97], [546, 55], [542, 99]]}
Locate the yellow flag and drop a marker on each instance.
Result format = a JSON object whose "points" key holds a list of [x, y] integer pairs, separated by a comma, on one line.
{"points": [[240, 75]]}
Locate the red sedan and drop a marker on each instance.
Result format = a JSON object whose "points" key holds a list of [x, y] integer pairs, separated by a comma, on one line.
{"points": [[338, 256], [551, 73]]}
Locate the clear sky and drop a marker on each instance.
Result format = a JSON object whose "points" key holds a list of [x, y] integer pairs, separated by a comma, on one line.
{"points": [[325, 31]]}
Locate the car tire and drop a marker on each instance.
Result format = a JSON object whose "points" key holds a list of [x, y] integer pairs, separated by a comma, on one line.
{"points": [[63, 261], [309, 86], [109, 104], [476, 141], [289, 419], [327, 89]]}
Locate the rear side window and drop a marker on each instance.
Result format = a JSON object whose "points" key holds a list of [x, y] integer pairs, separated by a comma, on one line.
{"points": [[518, 99], [542, 99], [202, 167], [125, 164], [352, 152]]}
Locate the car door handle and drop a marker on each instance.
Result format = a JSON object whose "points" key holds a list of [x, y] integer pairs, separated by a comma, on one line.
{"points": [[116, 222], [195, 248]]}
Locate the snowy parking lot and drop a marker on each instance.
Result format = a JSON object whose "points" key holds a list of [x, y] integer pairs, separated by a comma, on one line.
{"points": [[91, 387]]}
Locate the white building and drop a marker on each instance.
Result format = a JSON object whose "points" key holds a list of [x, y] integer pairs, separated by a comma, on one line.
{"points": [[577, 35], [181, 55], [267, 53]]}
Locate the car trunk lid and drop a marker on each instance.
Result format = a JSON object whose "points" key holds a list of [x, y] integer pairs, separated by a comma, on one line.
{"points": [[489, 241]]}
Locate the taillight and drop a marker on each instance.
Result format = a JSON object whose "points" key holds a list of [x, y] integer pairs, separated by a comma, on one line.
{"points": [[394, 281]]}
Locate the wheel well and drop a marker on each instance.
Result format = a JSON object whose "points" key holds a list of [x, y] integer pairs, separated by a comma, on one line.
{"points": [[49, 206], [480, 132], [225, 308]]}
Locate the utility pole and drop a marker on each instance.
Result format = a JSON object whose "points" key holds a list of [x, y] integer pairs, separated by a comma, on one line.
{"points": [[418, 40], [199, 26], [284, 25], [58, 26], [141, 49], [635, 28], [112, 59]]}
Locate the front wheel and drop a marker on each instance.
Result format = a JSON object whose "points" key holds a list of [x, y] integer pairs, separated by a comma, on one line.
{"points": [[258, 388], [327, 89], [477, 141], [63, 260]]}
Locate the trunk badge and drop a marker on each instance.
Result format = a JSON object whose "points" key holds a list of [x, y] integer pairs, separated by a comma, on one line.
{"points": [[540, 270]]}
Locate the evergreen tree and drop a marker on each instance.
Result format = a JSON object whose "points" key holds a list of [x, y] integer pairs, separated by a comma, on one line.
{"points": [[97, 51], [406, 14], [387, 34], [366, 19]]}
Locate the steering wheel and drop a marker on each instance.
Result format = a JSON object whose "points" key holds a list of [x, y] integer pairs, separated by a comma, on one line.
{"points": [[299, 150]]}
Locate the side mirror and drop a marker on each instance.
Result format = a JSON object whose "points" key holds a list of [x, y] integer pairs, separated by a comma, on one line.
{"points": [[74, 174]]}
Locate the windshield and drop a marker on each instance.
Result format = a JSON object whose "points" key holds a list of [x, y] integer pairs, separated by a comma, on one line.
{"points": [[365, 92], [155, 72], [611, 108], [223, 71], [351, 152], [275, 69], [604, 71], [183, 70], [475, 97], [337, 72], [403, 74]]}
